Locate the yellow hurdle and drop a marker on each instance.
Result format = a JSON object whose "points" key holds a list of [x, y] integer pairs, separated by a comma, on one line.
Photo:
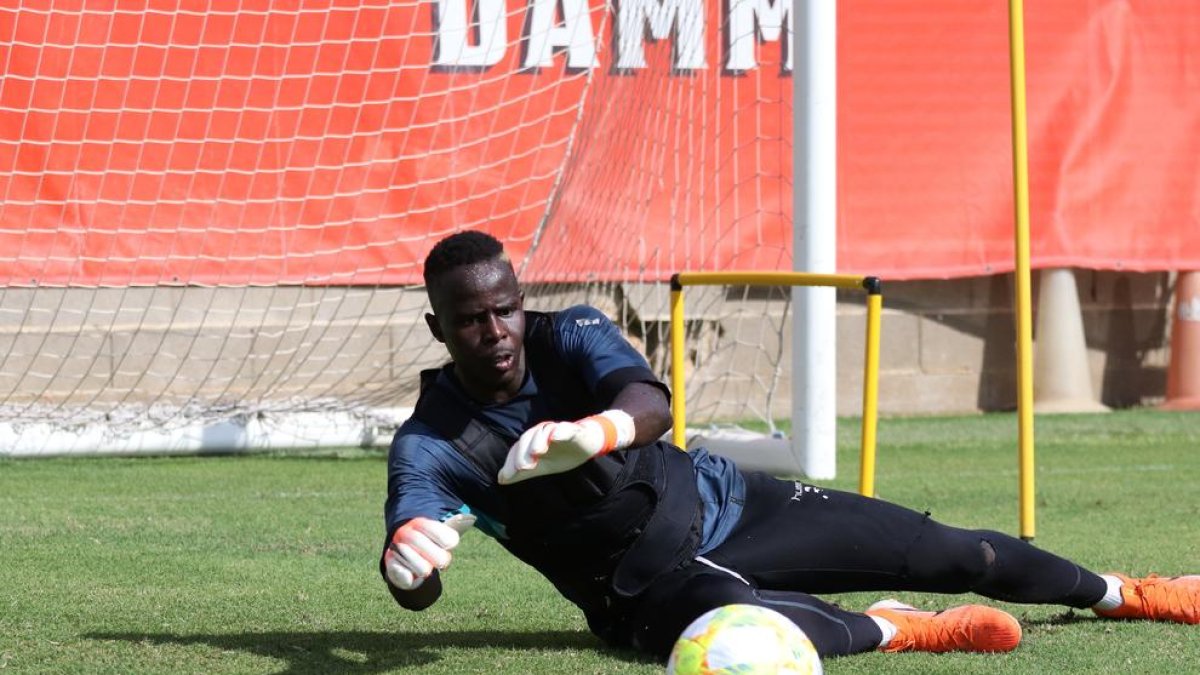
{"points": [[873, 288]]}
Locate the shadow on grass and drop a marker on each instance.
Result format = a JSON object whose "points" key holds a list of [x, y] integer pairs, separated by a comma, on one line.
{"points": [[1066, 618], [370, 652]]}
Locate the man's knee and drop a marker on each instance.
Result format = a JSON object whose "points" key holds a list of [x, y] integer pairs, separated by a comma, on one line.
{"points": [[989, 553], [952, 560], [662, 617]]}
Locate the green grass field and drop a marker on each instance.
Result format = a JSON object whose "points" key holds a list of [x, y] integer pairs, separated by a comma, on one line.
{"points": [[266, 564]]}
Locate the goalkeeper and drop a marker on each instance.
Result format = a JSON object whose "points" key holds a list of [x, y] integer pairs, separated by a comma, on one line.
{"points": [[543, 431]]}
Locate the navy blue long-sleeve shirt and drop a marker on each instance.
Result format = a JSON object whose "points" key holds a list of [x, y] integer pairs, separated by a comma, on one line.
{"points": [[428, 477]]}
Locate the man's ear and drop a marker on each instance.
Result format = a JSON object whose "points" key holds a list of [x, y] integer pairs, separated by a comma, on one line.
{"points": [[434, 327]]}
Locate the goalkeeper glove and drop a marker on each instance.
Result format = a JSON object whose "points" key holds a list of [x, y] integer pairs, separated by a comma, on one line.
{"points": [[420, 546], [555, 447]]}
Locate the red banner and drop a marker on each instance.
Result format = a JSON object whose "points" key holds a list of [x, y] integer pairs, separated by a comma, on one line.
{"points": [[328, 142], [925, 142]]}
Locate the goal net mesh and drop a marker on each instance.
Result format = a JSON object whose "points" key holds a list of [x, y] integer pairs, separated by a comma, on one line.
{"points": [[218, 211]]}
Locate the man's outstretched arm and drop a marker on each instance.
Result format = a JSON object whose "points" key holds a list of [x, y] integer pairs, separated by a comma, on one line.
{"points": [[639, 416], [647, 404]]}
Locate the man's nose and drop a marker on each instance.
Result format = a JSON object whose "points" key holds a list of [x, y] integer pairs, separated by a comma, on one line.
{"points": [[494, 327]]}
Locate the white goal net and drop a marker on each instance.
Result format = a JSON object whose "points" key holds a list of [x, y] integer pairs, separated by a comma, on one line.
{"points": [[213, 216]]}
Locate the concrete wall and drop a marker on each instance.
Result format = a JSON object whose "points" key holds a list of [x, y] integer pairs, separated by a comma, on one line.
{"points": [[103, 348], [947, 346]]}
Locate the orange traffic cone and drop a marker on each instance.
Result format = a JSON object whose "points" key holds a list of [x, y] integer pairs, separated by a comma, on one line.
{"points": [[1183, 372]]}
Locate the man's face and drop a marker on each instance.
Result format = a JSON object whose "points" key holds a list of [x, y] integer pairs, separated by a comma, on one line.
{"points": [[478, 315]]}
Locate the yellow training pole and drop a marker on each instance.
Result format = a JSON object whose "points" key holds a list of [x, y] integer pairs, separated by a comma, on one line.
{"points": [[1016, 31], [866, 470], [678, 391]]}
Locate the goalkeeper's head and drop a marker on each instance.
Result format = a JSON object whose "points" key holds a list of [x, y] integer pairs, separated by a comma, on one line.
{"points": [[461, 250], [477, 313]]}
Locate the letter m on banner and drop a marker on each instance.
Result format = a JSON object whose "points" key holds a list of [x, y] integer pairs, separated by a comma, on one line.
{"points": [[686, 17], [770, 19]]}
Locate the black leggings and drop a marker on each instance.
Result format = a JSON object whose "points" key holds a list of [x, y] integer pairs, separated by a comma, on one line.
{"points": [[795, 539]]}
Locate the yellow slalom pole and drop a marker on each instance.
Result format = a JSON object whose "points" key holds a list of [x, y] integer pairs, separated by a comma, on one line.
{"points": [[866, 470], [1024, 322], [678, 391]]}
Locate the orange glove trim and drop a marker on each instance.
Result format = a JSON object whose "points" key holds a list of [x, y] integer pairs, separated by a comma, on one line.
{"points": [[610, 432]]}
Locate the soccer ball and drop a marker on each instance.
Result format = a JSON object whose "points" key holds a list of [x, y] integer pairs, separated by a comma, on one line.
{"points": [[743, 639]]}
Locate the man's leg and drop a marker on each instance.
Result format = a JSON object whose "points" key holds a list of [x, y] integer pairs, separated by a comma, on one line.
{"points": [[803, 538], [676, 599]]}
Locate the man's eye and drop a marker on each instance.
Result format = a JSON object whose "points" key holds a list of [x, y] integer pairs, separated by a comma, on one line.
{"points": [[505, 312]]}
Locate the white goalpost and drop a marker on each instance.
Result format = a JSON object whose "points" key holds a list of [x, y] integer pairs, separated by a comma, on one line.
{"points": [[814, 331]]}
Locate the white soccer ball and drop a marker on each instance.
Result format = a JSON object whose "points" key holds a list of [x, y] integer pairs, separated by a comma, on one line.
{"points": [[743, 639]]}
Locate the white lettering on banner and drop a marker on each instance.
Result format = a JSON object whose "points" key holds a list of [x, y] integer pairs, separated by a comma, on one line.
{"points": [[453, 46], [770, 18], [574, 33], [474, 33], [685, 16]]}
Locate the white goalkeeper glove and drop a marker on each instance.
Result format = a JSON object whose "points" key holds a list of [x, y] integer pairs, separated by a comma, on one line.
{"points": [[420, 546], [555, 447]]}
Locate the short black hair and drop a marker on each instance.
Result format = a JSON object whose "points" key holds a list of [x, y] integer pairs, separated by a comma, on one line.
{"points": [[458, 250]]}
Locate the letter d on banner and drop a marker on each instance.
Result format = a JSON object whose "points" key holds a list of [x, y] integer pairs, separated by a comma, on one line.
{"points": [[1183, 373], [454, 29]]}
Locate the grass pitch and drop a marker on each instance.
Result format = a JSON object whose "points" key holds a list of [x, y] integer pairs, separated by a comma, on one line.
{"points": [[267, 564]]}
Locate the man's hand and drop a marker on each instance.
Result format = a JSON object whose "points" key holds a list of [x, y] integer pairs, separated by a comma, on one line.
{"points": [[420, 546], [555, 447]]}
